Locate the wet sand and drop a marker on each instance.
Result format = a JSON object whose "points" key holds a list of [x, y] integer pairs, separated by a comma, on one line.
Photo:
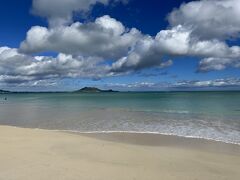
{"points": [[29, 154]]}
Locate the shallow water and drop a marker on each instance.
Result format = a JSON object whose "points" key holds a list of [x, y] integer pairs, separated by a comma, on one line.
{"points": [[209, 115]]}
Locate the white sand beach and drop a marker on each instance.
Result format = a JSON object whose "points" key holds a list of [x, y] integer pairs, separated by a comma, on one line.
{"points": [[30, 154]]}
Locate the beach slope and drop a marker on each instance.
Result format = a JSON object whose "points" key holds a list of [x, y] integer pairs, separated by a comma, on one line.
{"points": [[29, 154]]}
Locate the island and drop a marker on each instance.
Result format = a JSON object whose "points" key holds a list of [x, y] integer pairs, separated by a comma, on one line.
{"points": [[4, 92], [94, 90]]}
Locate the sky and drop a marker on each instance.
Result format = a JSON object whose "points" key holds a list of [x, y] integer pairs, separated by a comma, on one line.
{"points": [[129, 45]]}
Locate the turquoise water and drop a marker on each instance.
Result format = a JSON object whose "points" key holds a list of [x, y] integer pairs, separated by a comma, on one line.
{"points": [[209, 115]]}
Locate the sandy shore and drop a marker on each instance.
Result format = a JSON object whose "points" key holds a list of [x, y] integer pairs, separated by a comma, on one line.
{"points": [[28, 154]]}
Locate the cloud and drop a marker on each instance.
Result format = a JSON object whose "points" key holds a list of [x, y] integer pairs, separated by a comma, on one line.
{"points": [[174, 42], [209, 19], [211, 23], [218, 64], [228, 82], [59, 12], [24, 70], [106, 38], [197, 29], [135, 86], [180, 85], [105, 47], [17, 68], [129, 49], [142, 55], [178, 41], [109, 39]]}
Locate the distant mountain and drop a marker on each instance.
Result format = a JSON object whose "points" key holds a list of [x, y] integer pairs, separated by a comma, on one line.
{"points": [[4, 92], [93, 90]]}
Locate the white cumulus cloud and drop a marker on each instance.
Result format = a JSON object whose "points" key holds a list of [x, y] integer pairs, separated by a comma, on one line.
{"points": [[209, 18], [106, 37], [59, 12], [17, 68]]}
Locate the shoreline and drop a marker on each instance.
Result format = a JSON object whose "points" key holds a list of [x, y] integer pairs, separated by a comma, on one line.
{"points": [[128, 132], [27, 153]]}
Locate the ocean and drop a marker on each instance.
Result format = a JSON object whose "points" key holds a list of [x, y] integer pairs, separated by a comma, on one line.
{"points": [[207, 115]]}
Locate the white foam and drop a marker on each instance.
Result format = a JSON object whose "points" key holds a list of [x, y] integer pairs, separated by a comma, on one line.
{"points": [[139, 132]]}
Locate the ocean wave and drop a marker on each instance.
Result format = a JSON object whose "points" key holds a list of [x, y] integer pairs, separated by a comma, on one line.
{"points": [[176, 111], [140, 132], [162, 111], [143, 132]]}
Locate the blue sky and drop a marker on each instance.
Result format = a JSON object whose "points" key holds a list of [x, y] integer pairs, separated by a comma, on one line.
{"points": [[121, 44]]}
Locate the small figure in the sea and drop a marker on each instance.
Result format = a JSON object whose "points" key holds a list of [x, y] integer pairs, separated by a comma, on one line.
{"points": [[5, 98]]}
